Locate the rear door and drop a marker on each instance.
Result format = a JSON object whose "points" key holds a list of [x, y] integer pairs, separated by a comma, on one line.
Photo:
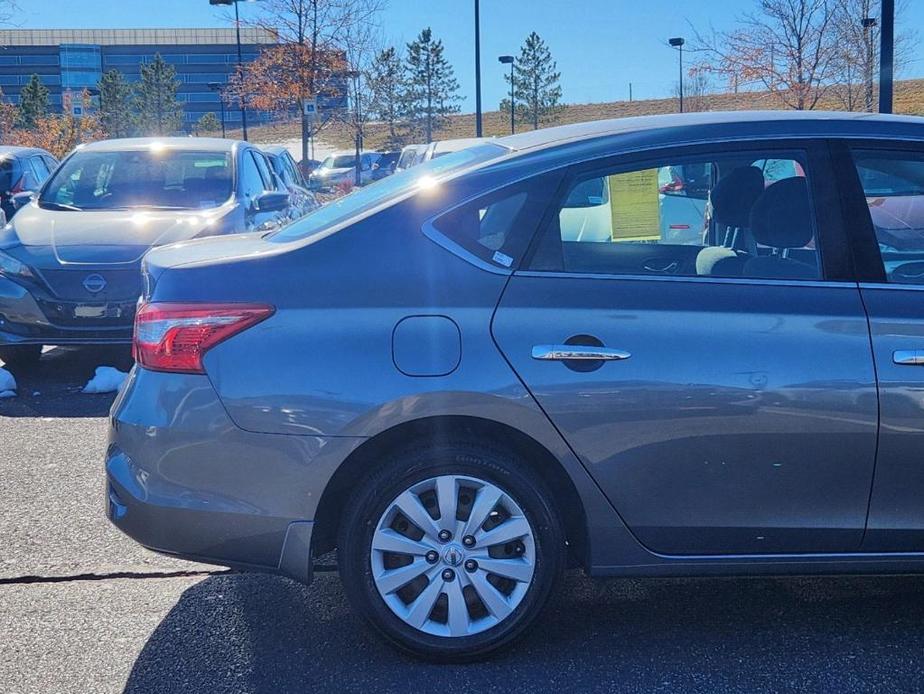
{"points": [[888, 221], [722, 394]]}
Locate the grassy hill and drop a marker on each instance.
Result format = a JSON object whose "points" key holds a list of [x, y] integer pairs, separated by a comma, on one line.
{"points": [[909, 99]]}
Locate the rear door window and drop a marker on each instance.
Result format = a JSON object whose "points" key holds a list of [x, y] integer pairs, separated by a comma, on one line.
{"points": [[728, 215]]}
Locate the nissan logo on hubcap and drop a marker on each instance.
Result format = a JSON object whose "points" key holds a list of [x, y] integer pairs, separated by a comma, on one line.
{"points": [[453, 555], [94, 283]]}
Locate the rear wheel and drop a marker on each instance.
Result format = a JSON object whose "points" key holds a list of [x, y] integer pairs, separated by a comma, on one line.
{"points": [[451, 551], [20, 356]]}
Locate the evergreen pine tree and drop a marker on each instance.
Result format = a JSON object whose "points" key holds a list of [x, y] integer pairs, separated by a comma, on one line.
{"points": [[536, 83], [33, 102], [385, 80], [115, 105], [431, 91], [159, 112]]}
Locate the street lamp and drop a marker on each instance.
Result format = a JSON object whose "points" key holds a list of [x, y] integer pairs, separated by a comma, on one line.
{"points": [[886, 55], [478, 130], [216, 87], [240, 59], [677, 42], [509, 60], [357, 116], [868, 24]]}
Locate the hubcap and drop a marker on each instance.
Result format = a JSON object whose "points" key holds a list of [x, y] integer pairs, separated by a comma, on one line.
{"points": [[433, 596]]}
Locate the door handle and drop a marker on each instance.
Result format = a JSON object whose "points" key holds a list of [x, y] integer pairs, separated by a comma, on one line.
{"points": [[908, 357], [578, 353]]}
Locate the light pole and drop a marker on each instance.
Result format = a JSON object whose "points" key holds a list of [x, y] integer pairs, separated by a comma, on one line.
{"points": [[509, 60], [868, 24], [240, 59], [677, 42], [478, 130], [886, 55], [216, 87], [357, 119]]}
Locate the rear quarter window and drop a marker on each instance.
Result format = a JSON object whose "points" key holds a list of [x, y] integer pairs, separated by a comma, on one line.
{"points": [[496, 228]]}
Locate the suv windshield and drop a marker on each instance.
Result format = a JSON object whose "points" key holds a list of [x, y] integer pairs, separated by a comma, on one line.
{"points": [[389, 189], [342, 162], [140, 178]]}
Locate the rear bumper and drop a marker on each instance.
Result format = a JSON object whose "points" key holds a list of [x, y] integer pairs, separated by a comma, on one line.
{"points": [[182, 479], [170, 522]]}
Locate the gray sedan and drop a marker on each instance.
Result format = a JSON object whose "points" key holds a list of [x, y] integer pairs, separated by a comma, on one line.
{"points": [[465, 378]]}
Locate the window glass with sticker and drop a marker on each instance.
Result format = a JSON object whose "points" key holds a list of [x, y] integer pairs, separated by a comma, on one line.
{"points": [[731, 215], [497, 228]]}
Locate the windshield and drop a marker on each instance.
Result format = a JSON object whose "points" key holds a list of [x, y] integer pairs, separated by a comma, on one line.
{"points": [[390, 188], [343, 161], [140, 178]]}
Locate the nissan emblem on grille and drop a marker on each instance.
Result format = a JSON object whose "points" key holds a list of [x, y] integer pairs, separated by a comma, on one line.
{"points": [[94, 283]]}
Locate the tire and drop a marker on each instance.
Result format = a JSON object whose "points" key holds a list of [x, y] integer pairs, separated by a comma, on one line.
{"points": [[474, 610], [20, 356]]}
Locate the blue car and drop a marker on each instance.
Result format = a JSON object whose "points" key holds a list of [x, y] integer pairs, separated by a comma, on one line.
{"points": [[432, 378]]}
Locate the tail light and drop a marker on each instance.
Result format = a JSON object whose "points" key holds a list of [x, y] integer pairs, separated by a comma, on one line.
{"points": [[175, 337]]}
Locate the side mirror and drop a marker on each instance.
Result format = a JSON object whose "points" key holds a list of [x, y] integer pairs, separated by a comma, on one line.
{"points": [[22, 199], [271, 202]]}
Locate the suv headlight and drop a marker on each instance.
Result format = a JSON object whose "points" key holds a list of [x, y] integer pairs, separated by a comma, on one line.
{"points": [[11, 267]]}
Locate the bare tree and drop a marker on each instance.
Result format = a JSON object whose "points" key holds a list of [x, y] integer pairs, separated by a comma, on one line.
{"points": [[856, 38], [696, 87], [312, 31], [785, 46]]}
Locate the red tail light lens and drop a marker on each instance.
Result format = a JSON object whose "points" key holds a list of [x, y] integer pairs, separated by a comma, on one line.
{"points": [[175, 337]]}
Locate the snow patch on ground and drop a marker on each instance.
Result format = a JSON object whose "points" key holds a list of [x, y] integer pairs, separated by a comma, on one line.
{"points": [[107, 379], [7, 384]]}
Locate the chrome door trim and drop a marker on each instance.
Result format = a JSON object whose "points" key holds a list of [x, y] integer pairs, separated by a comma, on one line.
{"points": [[578, 353], [697, 279]]}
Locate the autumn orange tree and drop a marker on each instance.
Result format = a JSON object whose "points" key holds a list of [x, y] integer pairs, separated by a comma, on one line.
{"points": [[59, 133], [313, 37]]}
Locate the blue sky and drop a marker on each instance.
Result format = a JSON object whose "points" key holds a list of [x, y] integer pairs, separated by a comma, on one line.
{"points": [[600, 45]]}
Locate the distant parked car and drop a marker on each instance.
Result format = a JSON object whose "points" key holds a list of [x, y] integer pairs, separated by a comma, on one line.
{"points": [[70, 260], [307, 166], [301, 200], [411, 155], [385, 166], [340, 169], [23, 170]]}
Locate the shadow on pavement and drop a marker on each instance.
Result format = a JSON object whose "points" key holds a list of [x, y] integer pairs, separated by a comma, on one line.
{"points": [[52, 388], [256, 633]]}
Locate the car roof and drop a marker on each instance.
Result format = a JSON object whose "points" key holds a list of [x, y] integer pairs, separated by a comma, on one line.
{"points": [[459, 143], [755, 123], [199, 144], [275, 150], [7, 150]]}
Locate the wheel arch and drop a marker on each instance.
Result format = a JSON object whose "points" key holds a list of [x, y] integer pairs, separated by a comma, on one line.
{"points": [[442, 429]]}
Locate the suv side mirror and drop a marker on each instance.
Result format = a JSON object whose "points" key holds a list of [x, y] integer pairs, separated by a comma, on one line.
{"points": [[22, 199], [271, 202]]}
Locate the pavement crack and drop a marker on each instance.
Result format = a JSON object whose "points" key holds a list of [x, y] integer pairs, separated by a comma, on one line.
{"points": [[24, 580]]}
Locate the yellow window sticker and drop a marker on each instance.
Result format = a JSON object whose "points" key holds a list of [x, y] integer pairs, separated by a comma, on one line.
{"points": [[635, 206]]}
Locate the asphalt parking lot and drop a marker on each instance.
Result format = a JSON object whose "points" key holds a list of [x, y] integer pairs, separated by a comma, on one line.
{"points": [[84, 609]]}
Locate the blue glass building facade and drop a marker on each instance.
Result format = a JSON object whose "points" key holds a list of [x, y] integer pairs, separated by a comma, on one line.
{"points": [[70, 60]]}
